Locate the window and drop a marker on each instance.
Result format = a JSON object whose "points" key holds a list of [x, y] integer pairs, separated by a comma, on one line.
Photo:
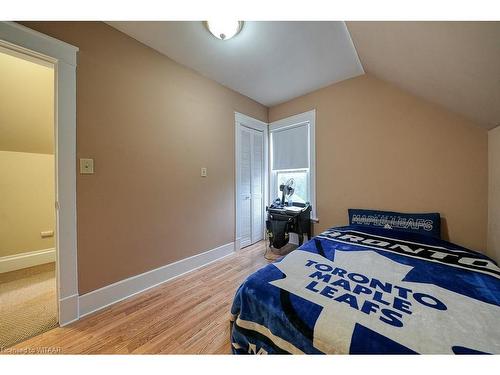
{"points": [[292, 156], [301, 177]]}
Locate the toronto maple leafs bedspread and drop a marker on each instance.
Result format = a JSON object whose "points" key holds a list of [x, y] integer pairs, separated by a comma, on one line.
{"points": [[370, 290]]}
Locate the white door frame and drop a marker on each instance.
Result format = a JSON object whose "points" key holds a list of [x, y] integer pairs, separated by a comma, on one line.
{"points": [[63, 56], [244, 120]]}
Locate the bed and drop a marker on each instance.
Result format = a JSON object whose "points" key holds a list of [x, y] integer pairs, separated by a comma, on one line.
{"points": [[371, 289]]}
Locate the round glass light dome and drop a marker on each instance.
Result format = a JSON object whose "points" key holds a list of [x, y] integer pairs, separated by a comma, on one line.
{"points": [[223, 29]]}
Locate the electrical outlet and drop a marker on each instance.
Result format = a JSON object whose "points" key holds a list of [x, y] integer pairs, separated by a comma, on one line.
{"points": [[46, 234], [203, 172]]}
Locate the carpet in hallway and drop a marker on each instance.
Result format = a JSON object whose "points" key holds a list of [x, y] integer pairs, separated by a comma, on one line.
{"points": [[27, 303]]}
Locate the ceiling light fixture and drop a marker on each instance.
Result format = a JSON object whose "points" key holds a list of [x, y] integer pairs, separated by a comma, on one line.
{"points": [[223, 29]]}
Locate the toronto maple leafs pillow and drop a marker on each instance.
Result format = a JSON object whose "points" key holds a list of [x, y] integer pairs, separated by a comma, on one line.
{"points": [[421, 223]]}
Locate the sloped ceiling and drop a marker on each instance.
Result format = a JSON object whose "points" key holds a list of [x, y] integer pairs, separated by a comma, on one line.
{"points": [[26, 105], [454, 64], [270, 62]]}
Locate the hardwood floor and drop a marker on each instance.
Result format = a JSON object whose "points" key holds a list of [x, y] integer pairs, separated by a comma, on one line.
{"points": [[188, 315]]}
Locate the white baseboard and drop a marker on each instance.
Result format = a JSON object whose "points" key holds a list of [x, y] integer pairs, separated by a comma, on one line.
{"points": [[25, 260], [237, 244], [68, 310], [110, 294]]}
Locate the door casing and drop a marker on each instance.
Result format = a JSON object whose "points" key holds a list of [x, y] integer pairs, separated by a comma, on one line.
{"points": [[63, 56], [249, 122]]}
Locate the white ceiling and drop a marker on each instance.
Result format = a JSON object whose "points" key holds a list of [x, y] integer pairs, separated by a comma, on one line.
{"points": [[270, 62], [453, 64]]}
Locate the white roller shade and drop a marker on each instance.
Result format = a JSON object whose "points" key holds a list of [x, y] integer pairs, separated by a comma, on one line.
{"points": [[291, 147]]}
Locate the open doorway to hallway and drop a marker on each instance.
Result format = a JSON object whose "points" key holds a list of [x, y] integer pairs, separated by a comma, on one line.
{"points": [[28, 297]]}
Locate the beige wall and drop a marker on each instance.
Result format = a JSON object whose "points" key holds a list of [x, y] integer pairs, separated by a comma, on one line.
{"points": [[26, 154], [150, 124], [494, 193], [26, 105], [27, 202], [379, 147], [448, 63]]}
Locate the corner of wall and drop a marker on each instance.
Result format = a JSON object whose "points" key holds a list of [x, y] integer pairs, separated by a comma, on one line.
{"points": [[493, 242]]}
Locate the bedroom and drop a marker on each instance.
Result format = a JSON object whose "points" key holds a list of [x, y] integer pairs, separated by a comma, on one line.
{"points": [[164, 120]]}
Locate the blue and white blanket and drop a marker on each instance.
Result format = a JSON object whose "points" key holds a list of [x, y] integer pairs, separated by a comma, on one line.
{"points": [[370, 290]]}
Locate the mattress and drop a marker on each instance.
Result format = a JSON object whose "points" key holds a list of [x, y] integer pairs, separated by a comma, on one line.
{"points": [[363, 290]]}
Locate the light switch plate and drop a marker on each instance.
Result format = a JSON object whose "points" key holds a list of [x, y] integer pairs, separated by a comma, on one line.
{"points": [[86, 166], [203, 172]]}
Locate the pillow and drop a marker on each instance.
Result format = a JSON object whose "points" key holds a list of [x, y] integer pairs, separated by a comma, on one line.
{"points": [[427, 224]]}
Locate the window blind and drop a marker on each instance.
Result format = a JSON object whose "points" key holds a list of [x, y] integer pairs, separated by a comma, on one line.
{"points": [[291, 147]]}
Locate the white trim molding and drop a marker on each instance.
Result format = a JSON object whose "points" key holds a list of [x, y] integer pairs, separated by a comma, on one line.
{"points": [[290, 122], [22, 36], [63, 57], [250, 122], [237, 244], [111, 294], [68, 310], [27, 259]]}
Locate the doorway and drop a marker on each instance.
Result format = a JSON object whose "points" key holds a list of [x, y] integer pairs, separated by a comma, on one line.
{"points": [[28, 292], [18, 39], [251, 179]]}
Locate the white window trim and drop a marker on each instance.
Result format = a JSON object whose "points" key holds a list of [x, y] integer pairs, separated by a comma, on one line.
{"points": [[63, 57], [291, 122], [244, 120]]}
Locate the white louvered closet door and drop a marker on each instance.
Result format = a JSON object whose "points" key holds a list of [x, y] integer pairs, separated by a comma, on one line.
{"points": [[251, 185], [257, 186]]}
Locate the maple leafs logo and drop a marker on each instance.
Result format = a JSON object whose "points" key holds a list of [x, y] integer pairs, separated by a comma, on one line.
{"points": [[423, 317]]}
